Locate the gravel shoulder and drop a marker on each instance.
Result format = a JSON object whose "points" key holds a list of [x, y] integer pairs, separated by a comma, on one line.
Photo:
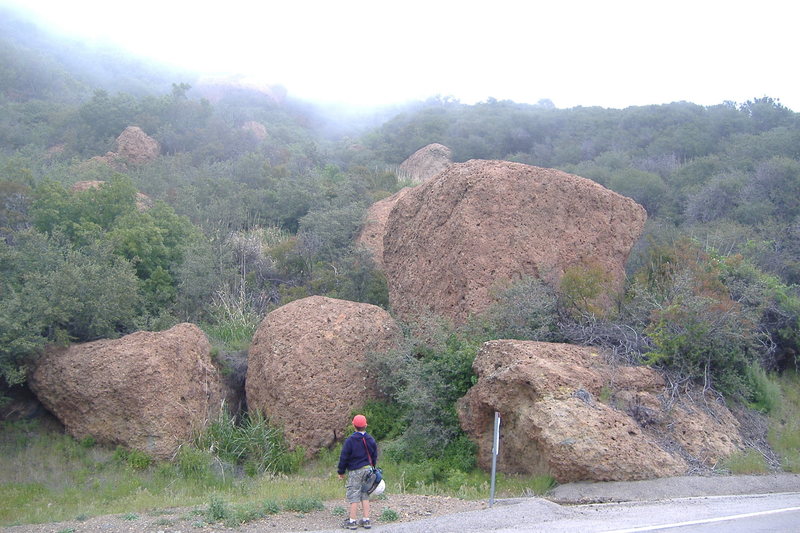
{"points": [[411, 507]]}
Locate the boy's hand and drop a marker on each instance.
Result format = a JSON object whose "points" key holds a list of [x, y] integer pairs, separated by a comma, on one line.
{"points": [[341, 476]]}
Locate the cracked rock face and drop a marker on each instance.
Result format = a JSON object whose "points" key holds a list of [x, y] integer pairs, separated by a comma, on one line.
{"points": [[449, 242], [566, 412]]}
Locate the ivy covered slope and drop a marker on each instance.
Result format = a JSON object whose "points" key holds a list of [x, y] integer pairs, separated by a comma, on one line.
{"points": [[256, 199]]}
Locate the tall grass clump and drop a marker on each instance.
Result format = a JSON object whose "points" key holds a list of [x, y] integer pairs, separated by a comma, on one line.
{"points": [[784, 432], [252, 444], [233, 321], [765, 390], [746, 462]]}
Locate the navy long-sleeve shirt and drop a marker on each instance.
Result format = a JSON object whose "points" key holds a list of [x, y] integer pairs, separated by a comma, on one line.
{"points": [[354, 453]]}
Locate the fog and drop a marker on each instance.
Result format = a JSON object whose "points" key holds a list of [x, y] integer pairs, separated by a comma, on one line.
{"points": [[362, 53]]}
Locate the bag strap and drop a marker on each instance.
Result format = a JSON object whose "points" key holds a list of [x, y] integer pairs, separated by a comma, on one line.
{"points": [[364, 440]]}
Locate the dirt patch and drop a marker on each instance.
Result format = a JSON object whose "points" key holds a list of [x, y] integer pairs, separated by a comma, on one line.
{"points": [[408, 507]]}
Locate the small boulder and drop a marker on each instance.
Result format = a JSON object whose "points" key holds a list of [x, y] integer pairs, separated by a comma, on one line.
{"points": [[426, 163], [256, 129], [451, 241], [147, 391], [306, 366], [136, 147]]}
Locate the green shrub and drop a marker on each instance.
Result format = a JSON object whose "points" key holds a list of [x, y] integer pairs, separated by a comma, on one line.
{"points": [[303, 505], [765, 392], [270, 507], [217, 510], [747, 462], [386, 420], [194, 464], [134, 459], [388, 515], [784, 431]]}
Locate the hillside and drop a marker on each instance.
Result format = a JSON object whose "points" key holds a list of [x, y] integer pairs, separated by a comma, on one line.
{"points": [[134, 198]]}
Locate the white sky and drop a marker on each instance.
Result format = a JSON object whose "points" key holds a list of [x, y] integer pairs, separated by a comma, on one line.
{"points": [[603, 52]]}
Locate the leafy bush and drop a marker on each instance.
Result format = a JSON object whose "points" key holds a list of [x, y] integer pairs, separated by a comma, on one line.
{"points": [[425, 380], [218, 509], [303, 505], [696, 328], [765, 392], [386, 419], [135, 459], [388, 515]]}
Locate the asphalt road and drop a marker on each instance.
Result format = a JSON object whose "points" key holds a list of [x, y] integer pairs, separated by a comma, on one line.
{"points": [[775, 513], [730, 505]]}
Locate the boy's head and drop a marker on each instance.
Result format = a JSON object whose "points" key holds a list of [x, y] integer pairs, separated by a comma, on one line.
{"points": [[360, 422]]}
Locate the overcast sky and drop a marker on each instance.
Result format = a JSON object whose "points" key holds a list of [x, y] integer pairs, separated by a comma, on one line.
{"points": [[603, 52]]}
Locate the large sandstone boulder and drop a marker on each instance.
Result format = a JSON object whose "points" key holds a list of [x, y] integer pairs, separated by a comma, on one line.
{"points": [[451, 240], [553, 422], [135, 146], [371, 236], [306, 366], [147, 391], [426, 163]]}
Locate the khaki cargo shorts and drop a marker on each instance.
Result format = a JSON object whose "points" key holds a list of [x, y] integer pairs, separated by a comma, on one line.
{"points": [[355, 480]]}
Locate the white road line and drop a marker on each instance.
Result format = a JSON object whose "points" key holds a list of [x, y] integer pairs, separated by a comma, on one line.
{"points": [[705, 521]]}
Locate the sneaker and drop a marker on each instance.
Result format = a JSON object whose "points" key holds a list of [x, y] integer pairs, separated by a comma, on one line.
{"points": [[365, 523], [350, 524]]}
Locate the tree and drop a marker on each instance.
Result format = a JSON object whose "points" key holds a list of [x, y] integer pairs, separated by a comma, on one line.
{"points": [[51, 291]]}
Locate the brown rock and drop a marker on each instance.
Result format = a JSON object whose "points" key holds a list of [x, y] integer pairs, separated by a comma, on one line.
{"points": [[426, 163], [136, 147], [371, 236], [706, 429], [451, 240], [552, 420], [146, 391], [305, 367], [256, 129]]}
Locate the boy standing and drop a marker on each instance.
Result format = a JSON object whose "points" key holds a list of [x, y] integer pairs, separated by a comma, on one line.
{"points": [[359, 453]]}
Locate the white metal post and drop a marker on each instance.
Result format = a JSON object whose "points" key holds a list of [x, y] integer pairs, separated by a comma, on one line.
{"points": [[495, 451]]}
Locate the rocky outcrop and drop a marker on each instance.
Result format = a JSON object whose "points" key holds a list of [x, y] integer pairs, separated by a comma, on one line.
{"points": [[565, 412], [136, 147], [306, 366], [450, 241], [256, 129], [371, 236], [143, 202], [426, 163], [147, 391]]}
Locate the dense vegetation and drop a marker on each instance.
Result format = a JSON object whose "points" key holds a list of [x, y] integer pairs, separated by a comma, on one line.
{"points": [[242, 224]]}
